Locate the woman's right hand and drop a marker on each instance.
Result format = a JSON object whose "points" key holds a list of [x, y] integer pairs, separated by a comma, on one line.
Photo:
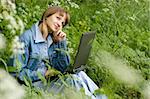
{"points": [[59, 36]]}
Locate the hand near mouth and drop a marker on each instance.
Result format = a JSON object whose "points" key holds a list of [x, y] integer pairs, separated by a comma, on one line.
{"points": [[59, 36]]}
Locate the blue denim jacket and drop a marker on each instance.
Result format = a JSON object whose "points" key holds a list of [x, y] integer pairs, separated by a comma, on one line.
{"points": [[38, 49]]}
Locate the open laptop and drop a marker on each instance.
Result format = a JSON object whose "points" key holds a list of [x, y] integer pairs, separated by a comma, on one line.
{"points": [[83, 53]]}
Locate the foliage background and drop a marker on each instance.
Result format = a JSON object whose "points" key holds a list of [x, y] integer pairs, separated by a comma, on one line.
{"points": [[120, 59]]}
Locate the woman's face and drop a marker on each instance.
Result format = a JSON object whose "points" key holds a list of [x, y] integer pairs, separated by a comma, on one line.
{"points": [[55, 22]]}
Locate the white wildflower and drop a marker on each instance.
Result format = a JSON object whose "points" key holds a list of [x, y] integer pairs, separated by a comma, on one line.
{"points": [[4, 3], [12, 5], [9, 88], [4, 14], [11, 20], [74, 5], [146, 91], [71, 50], [9, 17], [56, 2], [20, 23], [2, 41], [37, 7], [105, 9], [16, 39], [137, 1], [94, 16], [1, 16], [9, 27], [18, 47], [13, 31], [9, 5], [14, 23], [15, 51], [22, 45], [97, 12]]}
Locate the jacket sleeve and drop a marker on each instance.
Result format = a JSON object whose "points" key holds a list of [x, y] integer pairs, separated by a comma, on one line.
{"points": [[26, 63], [60, 57]]}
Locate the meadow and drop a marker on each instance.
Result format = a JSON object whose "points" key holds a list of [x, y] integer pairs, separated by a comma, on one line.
{"points": [[119, 62]]}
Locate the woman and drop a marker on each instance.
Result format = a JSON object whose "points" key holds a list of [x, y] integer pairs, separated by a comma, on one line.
{"points": [[41, 42], [46, 41]]}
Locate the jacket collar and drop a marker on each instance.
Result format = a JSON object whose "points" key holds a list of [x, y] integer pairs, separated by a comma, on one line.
{"points": [[38, 38]]}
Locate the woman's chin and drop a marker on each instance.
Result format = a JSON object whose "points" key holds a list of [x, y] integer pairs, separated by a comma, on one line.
{"points": [[54, 29]]}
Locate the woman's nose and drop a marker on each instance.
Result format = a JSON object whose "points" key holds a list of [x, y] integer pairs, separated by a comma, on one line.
{"points": [[59, 23]]}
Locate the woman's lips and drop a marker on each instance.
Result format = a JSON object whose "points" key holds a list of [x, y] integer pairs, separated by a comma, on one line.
{"points": [[56, 26]]}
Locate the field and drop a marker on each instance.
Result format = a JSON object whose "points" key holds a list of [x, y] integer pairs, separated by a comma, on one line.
{"points": [[119, 62]]}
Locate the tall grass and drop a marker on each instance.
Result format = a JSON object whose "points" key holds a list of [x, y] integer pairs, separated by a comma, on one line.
{"points": [[120, 59]]}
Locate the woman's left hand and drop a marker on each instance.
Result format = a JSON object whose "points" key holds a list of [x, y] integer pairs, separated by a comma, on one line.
{"points": [[51, 72], [59, 36]]}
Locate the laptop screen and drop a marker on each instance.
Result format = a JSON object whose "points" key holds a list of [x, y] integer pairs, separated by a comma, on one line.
{"points": [[84, 49]]}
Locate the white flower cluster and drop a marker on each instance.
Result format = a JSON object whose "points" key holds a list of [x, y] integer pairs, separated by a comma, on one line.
{"points": [[8, 13], [2, 41], [55, 2], [9, 4], [97, 12], [70, 50], [106, 9], [59, 3], [9, 88], [146, 90], [73, 5], [18, 47]]}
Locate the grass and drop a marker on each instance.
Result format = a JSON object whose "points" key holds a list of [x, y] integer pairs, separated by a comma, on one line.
{"points": [[121, 49]]}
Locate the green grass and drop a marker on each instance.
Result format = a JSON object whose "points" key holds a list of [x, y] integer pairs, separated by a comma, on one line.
{"points": [[122, 30]]}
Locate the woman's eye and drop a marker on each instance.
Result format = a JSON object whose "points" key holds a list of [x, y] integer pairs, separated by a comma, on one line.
{"points": [[63, 23], [58, 18]]}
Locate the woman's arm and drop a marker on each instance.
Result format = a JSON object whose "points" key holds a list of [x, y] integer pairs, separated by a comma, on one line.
{"points": [[60, 58]]}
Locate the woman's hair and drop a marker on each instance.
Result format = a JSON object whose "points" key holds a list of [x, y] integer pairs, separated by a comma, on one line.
{"points": [[52, 10]]}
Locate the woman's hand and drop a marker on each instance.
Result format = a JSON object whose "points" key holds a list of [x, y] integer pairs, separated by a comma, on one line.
{"points": [[51, 72], [59, 36]]}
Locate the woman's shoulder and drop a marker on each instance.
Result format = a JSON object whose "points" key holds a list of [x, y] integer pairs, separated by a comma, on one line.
{"points": [[26, 35], [29, 34]]}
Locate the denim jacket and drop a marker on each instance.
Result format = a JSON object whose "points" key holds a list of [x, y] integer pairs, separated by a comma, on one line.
{"points": [[37, 49]]}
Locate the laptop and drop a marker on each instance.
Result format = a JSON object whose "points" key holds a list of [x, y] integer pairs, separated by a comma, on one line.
{"points": [[83, 52]]}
